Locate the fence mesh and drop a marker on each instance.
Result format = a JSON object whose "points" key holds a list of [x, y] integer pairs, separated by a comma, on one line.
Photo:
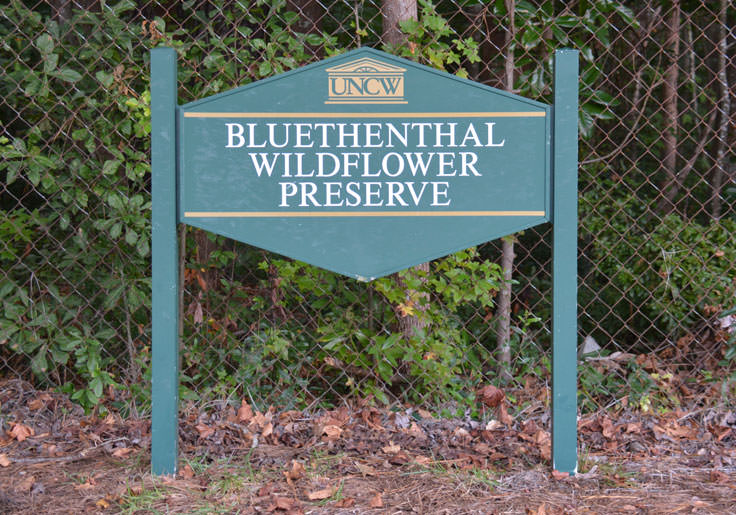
{"points": [[657, 251]]}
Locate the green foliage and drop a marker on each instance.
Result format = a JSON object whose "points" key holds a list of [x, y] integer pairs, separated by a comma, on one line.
{"points": [[75, 224], [674, 271], [429, 42], [81, 300]]}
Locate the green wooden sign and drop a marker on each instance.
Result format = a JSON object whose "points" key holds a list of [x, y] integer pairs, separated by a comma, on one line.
{"points": [[363, 164]]}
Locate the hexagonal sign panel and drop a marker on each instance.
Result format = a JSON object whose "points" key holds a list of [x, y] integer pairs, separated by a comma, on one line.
{"points": [[364, 163]]}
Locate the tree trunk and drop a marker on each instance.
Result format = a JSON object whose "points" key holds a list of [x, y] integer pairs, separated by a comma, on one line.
{"points": [[672, 181], [725, 114], [311, 13], [503, 312], [395, 11]]}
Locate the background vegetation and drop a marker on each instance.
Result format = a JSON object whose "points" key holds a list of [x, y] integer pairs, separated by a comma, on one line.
{"points": [[657, 208]]}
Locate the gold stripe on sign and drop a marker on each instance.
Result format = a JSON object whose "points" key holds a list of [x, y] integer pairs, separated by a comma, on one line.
{"points": [[349, 214], [509, 114]]}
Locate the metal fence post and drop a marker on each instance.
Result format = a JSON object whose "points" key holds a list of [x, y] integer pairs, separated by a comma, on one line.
{"points": [[165, 280], [564, 264]]}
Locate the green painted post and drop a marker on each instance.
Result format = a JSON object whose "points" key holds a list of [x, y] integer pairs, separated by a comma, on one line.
{"points": [[165, 317], [564, 262]]}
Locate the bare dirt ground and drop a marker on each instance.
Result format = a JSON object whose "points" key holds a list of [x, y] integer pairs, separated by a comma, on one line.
{"points": [[54, 459]]}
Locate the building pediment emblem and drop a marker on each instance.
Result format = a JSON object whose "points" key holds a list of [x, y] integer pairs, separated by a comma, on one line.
{"points": [[365, 81]]}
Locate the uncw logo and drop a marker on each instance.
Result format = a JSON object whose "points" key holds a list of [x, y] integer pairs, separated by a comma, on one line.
{"points": [[365, 81]]}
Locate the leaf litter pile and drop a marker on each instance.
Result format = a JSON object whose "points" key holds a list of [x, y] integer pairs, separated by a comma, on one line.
{"points": [[361, 459]]}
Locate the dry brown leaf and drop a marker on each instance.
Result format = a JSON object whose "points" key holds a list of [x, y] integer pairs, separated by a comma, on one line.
{"points": [[416, 431], [503, 414], [345, 502], [376, 501], [557, 475], [204, 431], [21, 432], [186, 472], [319, 495], [491, 395], [282, 503], [424, 413], [544, 442], [36, 404], [541, 510], [4, 460], [493, 424], [265, 489], [333, 432], [260, 419], [245, 413], [268, 430], [366, 470], [391, 448], [89, 484], [633, 427], [297, 471], [422, 460], [122, 452], [716, 476]]}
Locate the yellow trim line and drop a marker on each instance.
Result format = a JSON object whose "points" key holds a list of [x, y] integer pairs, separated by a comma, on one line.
{"points": [[349, 214], [520, 114]]}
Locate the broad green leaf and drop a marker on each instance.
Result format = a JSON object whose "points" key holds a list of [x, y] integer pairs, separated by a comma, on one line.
{"points": [[50, 62], [68, 75], [110, 166], [45, 44]]}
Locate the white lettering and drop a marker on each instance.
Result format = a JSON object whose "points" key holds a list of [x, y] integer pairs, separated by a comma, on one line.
{"points": [[234, 130]]}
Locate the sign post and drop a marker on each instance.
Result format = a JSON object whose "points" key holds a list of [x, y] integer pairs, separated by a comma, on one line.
{"points": [[165, 266], [565, 263], [363, 164]]}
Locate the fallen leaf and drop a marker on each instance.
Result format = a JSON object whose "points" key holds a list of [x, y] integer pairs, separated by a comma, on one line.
{"points": [[503, 414], [544, 442], [416, 431], [493, 424], [333, 432], [21, 432], [102, 503], [422, 460], [297, 471], [716, 476], [391, 448], [283, 503], [87, 485], [4, 460], [345, 502], [633, 427], [491, 395], [557, 475], [267, 430], [265, 490], [204, 431], [25, 485], [186, 472], [376, 501], [608, 429], [37, 403], [366, 470], [319, 495], [122, 452]]}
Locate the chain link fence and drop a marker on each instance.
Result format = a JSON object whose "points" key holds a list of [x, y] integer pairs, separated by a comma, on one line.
{"points": [[657, 247]]}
